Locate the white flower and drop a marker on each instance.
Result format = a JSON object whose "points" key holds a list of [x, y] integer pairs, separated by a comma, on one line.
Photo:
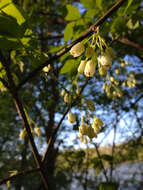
{"points": [[77, 49], [81, 67], [105, 60], [71, 117], [47, 68], [89, 68]]}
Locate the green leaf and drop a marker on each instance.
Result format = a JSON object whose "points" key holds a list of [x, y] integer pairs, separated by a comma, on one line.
{"points": [[68, 31], [90, 14], [106, 157], [12, 26], [73, 13], [55, 49], [79, 154], [9, 26], [69, 66], [99, 4], [108, 186], [132, 26], [10, 9], [90, 4], [8, 43], [128, 5]]}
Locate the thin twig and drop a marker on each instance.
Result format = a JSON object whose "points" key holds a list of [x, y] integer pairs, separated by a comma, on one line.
{"points": [[99, 156], [114, 138], [53, 137], [2, 181]]}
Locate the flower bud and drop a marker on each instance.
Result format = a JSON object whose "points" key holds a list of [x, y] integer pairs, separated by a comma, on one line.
{"points": [[63, 92], [90, 105], [102, 71], [89, 68], [85, 140], [89, 52], [78, 91], [90, 133], [47, 68], [105, 60], [117, 71], [81, 67], [66, 98], [124, 83], [71, 117], [104, 86], [97, 122], [115, 94], [112, 79], [120, 93], [116, 82], [122, 65], [22, 134], [127, 63], [134, 81], [77, 49], [131, 75]]}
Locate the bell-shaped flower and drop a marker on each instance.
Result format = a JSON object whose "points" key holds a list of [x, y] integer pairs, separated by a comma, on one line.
{"points": [[77, 49], [81, 67], [71, 117], [90, 68], [105, 60]]}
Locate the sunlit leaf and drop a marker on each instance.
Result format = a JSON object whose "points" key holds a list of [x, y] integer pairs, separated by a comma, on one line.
{"points": [[68, 31], [73, 13]]}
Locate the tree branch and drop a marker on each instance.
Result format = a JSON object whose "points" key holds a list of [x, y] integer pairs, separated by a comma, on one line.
{"points": [[128, 42], [22, 114], [87, 33], [52, 138]]}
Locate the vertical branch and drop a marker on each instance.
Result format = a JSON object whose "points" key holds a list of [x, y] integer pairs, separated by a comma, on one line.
{"points": [[99, 156], [86, 169], [114, 138], [21, 112]]}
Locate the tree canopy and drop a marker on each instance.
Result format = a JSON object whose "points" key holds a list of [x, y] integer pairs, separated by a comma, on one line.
{"points": [[69, 68]]}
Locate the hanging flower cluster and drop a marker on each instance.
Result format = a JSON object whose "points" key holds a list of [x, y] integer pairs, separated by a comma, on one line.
{"points": [[96, 54], [131, 81], [89, 130]]}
